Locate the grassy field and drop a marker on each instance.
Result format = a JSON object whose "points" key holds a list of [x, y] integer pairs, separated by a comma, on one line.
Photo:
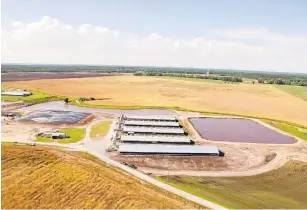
{"points": [[295, 131], [44, 139], [100, 129], [75, 135], [138, 92], [285, 187], [48, 177], [36, 98], [298, 91]]}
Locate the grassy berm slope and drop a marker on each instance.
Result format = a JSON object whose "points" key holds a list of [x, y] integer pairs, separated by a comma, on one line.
{"points": [[283, 188], [49, 177]]}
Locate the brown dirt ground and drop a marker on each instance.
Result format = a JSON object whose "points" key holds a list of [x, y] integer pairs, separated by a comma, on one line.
{"points": [[236, 159], [27, 76], [246, 99], [48, 177]]}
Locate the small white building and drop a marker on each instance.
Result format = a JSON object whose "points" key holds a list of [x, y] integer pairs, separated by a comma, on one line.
{"points": [[16, 93], [58, 136], [53, 135], [47, 134]]}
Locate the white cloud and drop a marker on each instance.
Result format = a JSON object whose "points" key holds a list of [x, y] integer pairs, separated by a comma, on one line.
{"points": [[51, 41]]}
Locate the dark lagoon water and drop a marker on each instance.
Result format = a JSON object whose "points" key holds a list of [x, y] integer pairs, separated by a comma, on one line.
{"points": [[238, 130], [54, 116], [60, 105]]}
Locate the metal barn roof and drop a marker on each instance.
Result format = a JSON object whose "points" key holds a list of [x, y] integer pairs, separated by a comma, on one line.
{"points": [[58, 134], [133, 129], [162, 139], [151, 117], [168, 149], [152, 123], [16, 93]]}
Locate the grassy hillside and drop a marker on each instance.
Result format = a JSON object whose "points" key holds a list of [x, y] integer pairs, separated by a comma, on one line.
{"points": [[48, 177], [285, 187]]}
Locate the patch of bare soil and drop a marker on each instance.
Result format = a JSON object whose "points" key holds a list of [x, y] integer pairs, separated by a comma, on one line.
{"points": [[173, 162], [27, 76], [86, 120], [11, 106], [14, 130], [237, 158]]}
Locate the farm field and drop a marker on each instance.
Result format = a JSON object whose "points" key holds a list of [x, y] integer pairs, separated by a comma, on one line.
{"points": [[100, 129], [49, 177], [26, 76], [298, 91], [282, 188], [130, 91], [192, 79]]}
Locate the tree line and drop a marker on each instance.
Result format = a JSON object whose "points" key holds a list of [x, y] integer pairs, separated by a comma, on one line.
{"points": [[197, 76], [279, 81], [201, 73]]}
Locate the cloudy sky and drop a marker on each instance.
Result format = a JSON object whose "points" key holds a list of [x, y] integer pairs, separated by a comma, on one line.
{"points": [[235, 34]]}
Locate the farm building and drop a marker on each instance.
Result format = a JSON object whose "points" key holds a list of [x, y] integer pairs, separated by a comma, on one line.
{"points": [[16, 93], [152, 149], [151, 123], [156, 139], [58, 136], [53, 135], [152, 130], [47, 134], [151, 117]]}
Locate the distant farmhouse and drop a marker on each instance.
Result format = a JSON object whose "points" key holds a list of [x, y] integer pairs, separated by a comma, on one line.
{"points": [[53, 135], [16, 93]]}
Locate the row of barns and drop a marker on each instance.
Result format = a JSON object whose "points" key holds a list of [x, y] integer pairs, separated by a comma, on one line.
{"points": [[157, 135]]}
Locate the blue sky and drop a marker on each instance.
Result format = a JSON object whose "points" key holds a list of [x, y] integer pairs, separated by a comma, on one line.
{"points": [[181, 19]]}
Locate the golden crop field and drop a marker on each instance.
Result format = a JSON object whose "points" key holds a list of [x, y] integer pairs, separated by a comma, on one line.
{"points": [[49, 177], [245, 98]]}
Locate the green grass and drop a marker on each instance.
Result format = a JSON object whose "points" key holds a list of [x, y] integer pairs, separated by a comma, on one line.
{"points": [[304, 130], [43, 139], [285, 187], [297, 91], [75, 135], [100, 129], [36, 98], [7, 143], [294, 130]]}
